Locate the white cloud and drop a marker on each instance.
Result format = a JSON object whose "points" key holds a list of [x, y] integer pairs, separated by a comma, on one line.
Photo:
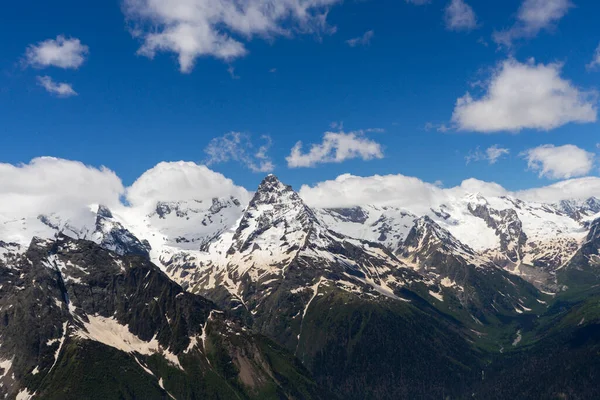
{"points": [[595, 63], [492, 154], [180, 181], [363, 40], [418, 2], [47, 185], [60, 52], [460, 16], [533, 17], [580, 188], [52, 185], [236, 146], [219, 28], [349, 190], [495, 152], [562, 162], [335, 148], [418, 196], [398, 190], [521, 96], [60, 89]]}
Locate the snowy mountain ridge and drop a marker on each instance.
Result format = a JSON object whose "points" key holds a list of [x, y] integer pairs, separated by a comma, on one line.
{"points": [[196, 241]]}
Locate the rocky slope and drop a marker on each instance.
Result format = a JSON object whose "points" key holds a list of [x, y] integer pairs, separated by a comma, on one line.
{"points": [[83, 322]]}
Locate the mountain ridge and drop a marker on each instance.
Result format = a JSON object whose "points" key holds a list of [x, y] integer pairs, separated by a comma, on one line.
{"points": [[324, 284]]}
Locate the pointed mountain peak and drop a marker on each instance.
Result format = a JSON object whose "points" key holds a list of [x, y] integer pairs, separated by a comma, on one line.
{"points": [[111, 235], [274, 208], [104, 212], [271, 191], [271, 183], [427, 224], [593, 204], [426, 229]]}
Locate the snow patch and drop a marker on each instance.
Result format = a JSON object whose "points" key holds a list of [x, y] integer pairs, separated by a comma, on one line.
{"points": [[6, 365], [61, 342], [518, 338], [111, 333], [436, 295], [24, 395]]}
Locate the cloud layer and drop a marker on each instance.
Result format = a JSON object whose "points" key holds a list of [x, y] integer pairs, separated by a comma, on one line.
{"points": [[48, 185], [521, 96], [219, 28], [60, 52], [562, 162], [335, 148], [418, 196]]}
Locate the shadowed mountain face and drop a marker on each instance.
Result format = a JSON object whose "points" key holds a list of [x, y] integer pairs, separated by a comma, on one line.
{"points": [[82, 322], [275, 299]]}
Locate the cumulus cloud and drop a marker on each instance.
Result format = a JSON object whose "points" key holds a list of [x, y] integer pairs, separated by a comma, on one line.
{"points": [[219, 28], [492, 154], [47, 184], [335, 148], [59, 89], [349, 190], [385, 190], [533, 16], [580, 188], [53, 185], [60, 52], [559, 162], [460, 16], [237, 146], [179, 181], [363, 40], [595, 63], [418, 196], [525, 95]]}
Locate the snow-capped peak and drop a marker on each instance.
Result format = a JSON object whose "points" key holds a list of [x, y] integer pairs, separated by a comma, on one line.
{"points": [[271, 190], [476, 199], [275, 217], [112, 235]]}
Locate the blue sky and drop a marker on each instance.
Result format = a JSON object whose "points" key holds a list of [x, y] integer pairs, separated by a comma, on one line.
{"points": [[395, 90]]}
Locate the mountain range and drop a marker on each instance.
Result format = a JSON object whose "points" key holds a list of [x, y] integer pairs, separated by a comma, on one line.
{"points": [[267, 297]]}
